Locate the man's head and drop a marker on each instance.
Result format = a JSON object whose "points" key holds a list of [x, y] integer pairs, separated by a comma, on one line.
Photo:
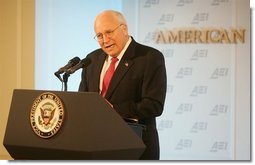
{"points": [[111, 32]]}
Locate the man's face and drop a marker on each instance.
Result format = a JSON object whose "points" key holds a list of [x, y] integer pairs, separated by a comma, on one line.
{"points": [[111, 35]]}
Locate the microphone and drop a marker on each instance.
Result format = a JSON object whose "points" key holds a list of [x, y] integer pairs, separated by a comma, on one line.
{"points": [[70, 64], [82, 64]]}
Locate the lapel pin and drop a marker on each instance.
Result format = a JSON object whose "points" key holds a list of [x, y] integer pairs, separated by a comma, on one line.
{"points": [[126, 64]]}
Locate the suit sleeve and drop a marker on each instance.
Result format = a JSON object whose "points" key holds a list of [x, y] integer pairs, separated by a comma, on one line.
{"points": [[83, 84], [153, 90]]}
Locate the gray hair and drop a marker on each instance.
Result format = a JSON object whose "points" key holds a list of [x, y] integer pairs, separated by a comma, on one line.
{"points": [[119, 15]]}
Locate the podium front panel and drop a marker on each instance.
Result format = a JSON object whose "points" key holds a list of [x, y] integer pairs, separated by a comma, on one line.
{"points": [[91, 129]]}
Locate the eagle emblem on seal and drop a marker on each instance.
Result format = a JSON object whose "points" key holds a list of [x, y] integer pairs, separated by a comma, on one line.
{"points": [[47, 115]]}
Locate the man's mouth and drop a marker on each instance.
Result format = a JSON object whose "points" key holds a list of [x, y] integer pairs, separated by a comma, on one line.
{"points": [[109, 46]]}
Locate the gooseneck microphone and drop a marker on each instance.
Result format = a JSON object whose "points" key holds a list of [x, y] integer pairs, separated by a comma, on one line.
{"points": [[63, 69], [82, 64]]}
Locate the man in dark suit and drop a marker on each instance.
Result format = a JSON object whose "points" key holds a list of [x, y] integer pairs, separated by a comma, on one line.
{"points": [[137, 88]]}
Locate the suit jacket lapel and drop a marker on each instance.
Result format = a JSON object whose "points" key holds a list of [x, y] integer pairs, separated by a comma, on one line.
{"points": [[121, 70], [124, 65]]}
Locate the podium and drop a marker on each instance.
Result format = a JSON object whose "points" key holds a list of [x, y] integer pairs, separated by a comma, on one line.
{"points": [[90, 130]]}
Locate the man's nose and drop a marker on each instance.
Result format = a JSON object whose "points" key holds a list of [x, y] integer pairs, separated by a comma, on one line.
{"points": [[105, 38]]}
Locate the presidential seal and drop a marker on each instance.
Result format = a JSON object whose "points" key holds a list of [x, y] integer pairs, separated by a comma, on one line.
{"points": [[47, 115]]}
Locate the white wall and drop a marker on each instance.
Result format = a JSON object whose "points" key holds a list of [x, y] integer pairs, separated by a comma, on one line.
{"points": [[64, 29], [205, 118], [207, 107]]}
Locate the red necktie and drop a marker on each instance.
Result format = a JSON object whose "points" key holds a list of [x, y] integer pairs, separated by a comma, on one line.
{"points": [[108, 76]]}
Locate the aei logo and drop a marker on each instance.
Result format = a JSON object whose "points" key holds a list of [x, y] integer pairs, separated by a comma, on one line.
{"points": [[218, 2], [198, 126], [164, 124], [168, 53], [219, 146], [219, 109], [198, 90], [149, 37], [219, 72], [181, 3], [166, 18], [183, 144], [198, 54], [184, 107], [200, 17], [187, 71], [149, 3]]}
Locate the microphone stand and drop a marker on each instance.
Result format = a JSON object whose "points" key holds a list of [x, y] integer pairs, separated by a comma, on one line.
{"points": [[65, 79]]}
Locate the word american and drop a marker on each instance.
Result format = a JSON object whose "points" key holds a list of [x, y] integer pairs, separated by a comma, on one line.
{"points": [[200, 35]]}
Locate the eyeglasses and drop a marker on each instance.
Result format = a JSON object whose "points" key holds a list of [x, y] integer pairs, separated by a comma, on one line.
{"points": [[109, 34]]}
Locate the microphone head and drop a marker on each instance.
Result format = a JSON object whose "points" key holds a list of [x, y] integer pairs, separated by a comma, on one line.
{"points": [[74, 61], [82, 64]]}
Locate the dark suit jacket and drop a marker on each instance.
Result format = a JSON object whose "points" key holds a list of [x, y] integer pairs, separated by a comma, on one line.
{"points": [[137, 89]]}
